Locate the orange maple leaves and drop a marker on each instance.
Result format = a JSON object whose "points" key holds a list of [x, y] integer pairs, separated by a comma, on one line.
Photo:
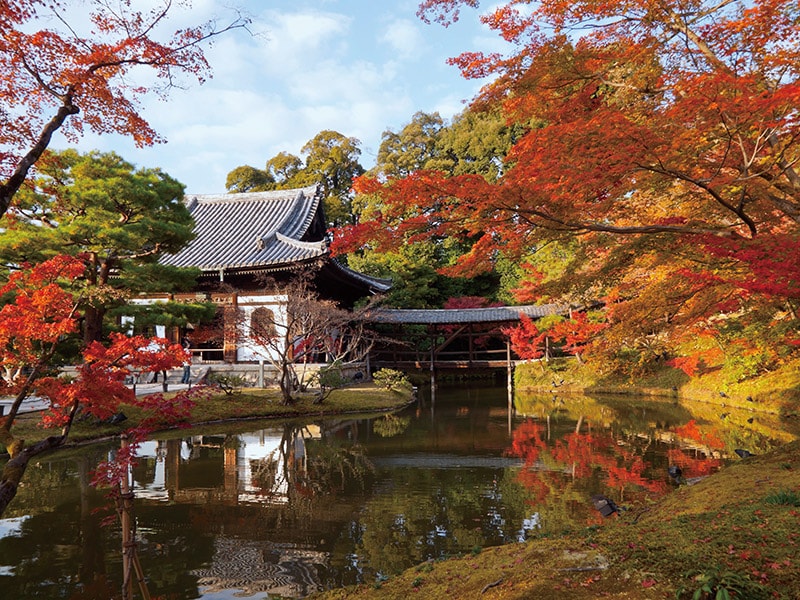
{"points": [[42, 311], [57, 79]]}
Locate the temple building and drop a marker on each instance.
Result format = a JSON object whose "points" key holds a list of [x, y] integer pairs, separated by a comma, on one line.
{"points": [[243, 239]]}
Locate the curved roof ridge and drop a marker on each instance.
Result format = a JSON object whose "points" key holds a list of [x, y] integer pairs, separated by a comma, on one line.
{"points": [[231, 198], [320, 245], [302, 213]]}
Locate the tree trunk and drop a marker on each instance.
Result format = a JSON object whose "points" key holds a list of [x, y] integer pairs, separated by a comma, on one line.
{"points": [[286, 384], [15, 468], [93, 324]]}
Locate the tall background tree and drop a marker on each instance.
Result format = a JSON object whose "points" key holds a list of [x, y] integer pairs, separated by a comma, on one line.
{"points": [[61, 70], [118, 219], [475, 143], [331, 160], [659, 158]]}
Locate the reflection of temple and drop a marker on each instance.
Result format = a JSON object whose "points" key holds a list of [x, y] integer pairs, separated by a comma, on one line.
{"points": [[222, 469], [254, 566], [229, 480]]}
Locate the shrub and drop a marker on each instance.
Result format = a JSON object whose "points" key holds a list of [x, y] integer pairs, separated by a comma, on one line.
{"points": [[230, 384], [328, 378], [390, 379]]}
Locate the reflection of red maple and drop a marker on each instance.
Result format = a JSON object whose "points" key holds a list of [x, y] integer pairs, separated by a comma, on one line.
{"points": [[588, 457], [693, 466], [708, 436]]}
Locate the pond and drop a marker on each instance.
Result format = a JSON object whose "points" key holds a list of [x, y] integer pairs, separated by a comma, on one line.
{"points": [[287, 509]]}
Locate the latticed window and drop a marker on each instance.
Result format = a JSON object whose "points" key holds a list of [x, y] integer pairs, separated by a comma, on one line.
{"points": [[262, 323]]}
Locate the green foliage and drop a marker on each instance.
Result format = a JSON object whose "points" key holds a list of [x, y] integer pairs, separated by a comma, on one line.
{"points": [[170, 314], [413, 148], [230, 384], [119, 218], [476, 142], [390, 379], [783, 498], [328, 378], [722, 584], [248, 179], [331, 160]]}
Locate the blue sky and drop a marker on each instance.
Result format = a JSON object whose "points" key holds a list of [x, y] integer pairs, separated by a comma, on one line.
{"points": [[354, 66]]}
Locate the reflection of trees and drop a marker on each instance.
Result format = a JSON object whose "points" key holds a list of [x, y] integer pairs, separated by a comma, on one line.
{"points": [[60, 549], [562, 473], [390, 425], [303, 467], [458, 510]]}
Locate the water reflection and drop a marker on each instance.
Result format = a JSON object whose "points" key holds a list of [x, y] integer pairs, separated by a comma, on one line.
{"points": [[289, 509]]}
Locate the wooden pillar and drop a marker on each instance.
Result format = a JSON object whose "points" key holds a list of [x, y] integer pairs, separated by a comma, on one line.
{"points": [[509, 368], [230, 329], [471, 348], [433, 368]]}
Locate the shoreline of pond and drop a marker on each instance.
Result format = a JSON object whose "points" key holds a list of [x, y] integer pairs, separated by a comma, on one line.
{"points": [[252, 404]]}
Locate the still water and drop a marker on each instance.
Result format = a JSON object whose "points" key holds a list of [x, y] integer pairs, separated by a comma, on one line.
{"points": [[287, 509]]}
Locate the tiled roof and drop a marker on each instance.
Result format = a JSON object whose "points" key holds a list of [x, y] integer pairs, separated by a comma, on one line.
{"points": [[440, 316], [250, 230], [376, 284]]}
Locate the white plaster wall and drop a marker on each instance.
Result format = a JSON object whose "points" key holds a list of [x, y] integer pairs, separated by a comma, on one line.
{"points": [[247, 349]]}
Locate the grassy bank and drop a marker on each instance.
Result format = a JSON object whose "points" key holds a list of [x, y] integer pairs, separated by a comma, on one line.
{"points": [[776, 392], [250, 403]]}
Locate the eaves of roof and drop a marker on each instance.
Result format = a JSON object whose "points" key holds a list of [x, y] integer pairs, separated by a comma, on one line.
{"points": [[376, 284], [441, 316]]}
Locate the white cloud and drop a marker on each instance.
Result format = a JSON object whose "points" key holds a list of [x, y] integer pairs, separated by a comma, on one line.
{"points": [[405, 38], [292, 41], [305, 70]]}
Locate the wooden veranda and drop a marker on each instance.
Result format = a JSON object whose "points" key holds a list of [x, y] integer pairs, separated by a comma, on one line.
{"points": [[450, 339]]}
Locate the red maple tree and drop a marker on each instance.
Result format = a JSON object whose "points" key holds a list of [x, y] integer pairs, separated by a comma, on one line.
{"points": [[661, 141], [39, 317], [60, 70]]}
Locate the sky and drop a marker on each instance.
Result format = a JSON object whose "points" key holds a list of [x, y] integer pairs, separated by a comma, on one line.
{"points": [[358, 67]]}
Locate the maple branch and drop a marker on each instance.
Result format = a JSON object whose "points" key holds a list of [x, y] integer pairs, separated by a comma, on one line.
{"points": [[12, 185], [166, 59], [738, 211], [595, 226], [786, 167], [678, 25]]}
